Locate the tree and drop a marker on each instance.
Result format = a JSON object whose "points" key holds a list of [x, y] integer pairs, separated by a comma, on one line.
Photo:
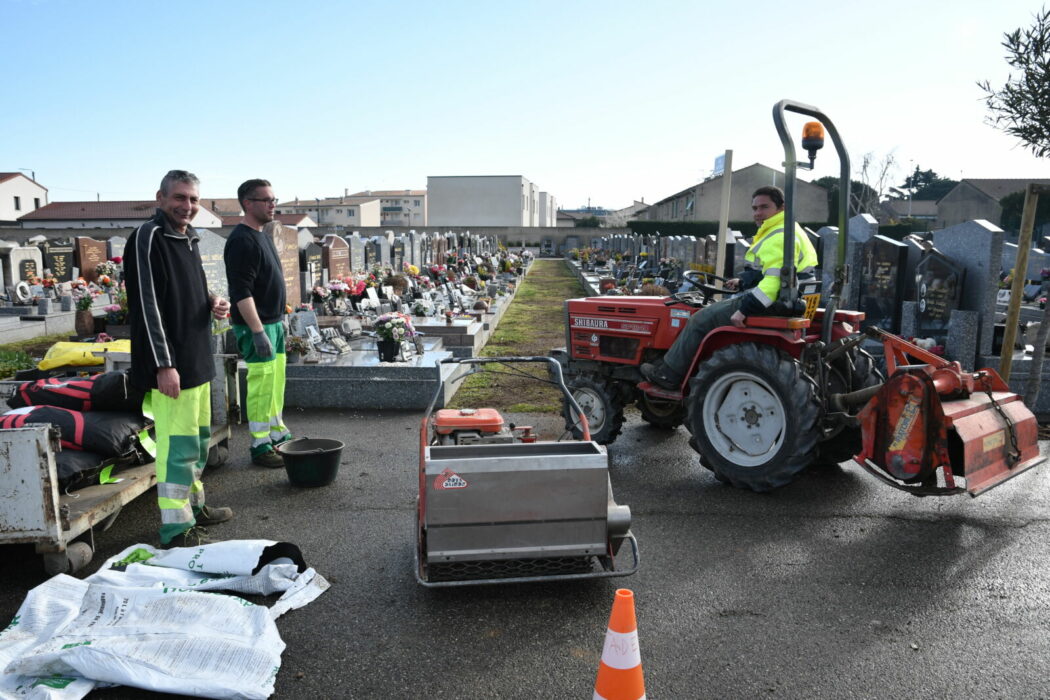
{"points": [[1021, 107], [588, 222], [928, 185], [1013, 205], [861, 197]]}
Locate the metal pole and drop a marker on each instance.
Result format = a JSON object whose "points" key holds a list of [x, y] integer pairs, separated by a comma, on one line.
{"points": [[1020, 275], [723, 219]]}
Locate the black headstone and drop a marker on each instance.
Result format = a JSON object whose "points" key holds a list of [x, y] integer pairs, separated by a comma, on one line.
{"points": [[58, 257], [882, 282], [310, 260], [939, 283]]}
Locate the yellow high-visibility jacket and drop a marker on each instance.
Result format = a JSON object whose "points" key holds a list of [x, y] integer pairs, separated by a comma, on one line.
{"points": [[767, 254]]}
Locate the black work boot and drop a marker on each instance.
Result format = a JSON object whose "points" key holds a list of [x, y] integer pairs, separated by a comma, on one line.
{"points": [[660, 374]]}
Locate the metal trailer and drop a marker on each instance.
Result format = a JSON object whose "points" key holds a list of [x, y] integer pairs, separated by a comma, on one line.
{"points": [[496, 505], [62, 526]]}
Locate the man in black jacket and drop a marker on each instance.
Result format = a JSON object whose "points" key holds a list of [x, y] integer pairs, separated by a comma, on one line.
{"points": [[256, 282], [170, 311]]}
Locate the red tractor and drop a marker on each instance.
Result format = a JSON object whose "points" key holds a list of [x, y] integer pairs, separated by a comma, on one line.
{"points": [[764, 401]]}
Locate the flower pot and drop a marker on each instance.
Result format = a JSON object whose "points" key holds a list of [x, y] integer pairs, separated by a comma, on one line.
{"points": [[388, 350], [293, 358], [84, 322]]}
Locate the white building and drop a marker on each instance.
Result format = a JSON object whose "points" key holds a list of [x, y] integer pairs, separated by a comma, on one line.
{"points": [[348, 211], [19, 195], [85, 215], [483, 200], [399, 207], [548, 209]]}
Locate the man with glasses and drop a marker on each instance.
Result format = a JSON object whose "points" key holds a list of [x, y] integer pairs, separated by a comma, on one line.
{"points": [[170, 311], [256, 281]]}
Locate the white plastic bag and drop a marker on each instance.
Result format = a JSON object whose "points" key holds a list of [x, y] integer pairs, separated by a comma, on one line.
{"points": [[145, 620]]}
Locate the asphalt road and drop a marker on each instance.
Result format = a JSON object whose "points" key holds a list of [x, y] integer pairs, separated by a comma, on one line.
{"points": [[833, 587]]}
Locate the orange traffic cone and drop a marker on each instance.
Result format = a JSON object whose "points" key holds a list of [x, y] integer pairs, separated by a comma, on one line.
{"points": [[620, 670]]}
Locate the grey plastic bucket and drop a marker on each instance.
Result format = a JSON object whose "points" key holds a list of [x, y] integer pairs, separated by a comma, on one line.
{"points": [[311, 461]]}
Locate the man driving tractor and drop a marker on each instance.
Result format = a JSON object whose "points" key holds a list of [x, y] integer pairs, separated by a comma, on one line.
{"points": [[759, 284]]}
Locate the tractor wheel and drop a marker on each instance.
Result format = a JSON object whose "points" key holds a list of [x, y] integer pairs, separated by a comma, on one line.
{"points": [[755, 418], [860, 371], [601, 404], [661, 414]]}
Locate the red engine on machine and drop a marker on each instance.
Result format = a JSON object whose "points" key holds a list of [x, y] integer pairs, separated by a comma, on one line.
{"points": [[620, 329], [473, 426]]}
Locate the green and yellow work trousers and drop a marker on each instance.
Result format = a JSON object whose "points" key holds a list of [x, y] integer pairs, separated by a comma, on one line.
{"points": [[183, 430], [265, 388]]}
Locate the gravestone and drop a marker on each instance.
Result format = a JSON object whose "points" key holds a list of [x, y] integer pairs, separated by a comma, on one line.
{"points": [[973, 245], [939, 285], [860, 229], [311, 259], [916, 252], [115, 246], [89, 253], [20, 263], [882, 282], [414, 252], [58, 258], [211, 247], [286, 241], [1037, 261], [335, 257], [382, 246], [397, 254], [357, 253]]}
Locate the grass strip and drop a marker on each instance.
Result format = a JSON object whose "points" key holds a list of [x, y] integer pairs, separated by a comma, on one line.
{"points": [[533, 325]]}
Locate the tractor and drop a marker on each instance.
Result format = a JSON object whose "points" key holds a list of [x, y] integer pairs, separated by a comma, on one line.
{"points": [[764, 401]]}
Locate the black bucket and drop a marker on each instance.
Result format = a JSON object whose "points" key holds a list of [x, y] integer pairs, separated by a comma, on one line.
{"points": [[311, 461]]}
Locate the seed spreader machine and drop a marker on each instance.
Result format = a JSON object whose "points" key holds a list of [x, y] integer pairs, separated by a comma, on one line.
{"points": [[498, 505]]}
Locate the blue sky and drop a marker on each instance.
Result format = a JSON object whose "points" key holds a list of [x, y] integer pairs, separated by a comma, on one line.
{"points": [[601, 101]]}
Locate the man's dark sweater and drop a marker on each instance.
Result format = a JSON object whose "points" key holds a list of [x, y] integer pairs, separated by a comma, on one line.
{"points": [[254, 270], [168, 305]]}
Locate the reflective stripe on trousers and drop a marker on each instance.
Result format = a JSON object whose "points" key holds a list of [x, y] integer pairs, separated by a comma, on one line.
{"points": [[183, 430]]}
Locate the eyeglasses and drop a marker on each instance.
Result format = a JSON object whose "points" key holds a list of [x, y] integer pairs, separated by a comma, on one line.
{"points": [[270, 200]]}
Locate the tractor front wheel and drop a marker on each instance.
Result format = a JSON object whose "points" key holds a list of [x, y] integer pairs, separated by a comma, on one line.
{"points": [[600, 403], [755, 418]]}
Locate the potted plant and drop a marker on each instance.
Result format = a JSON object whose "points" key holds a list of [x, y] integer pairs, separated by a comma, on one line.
{"points": [[84, 320], [390, 329], [295, 347], [117, 315]]}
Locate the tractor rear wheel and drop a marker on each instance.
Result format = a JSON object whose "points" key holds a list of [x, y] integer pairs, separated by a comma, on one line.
{"points": [[755, 418], [661, 414], [600, 403], [855, 372]]}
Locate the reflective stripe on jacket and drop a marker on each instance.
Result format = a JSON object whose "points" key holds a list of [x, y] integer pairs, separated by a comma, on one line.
{"points": [[767, 254]]}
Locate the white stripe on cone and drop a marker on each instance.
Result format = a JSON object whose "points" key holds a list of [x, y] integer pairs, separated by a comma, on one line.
{"points": [[621, 650], [599, 697]]}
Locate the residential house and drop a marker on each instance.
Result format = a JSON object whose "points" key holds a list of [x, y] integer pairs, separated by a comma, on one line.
{"points": [[976, 198], [296, 221], [399, 207], [346, 211], [19, 195], [703, 202], [88, 215]]}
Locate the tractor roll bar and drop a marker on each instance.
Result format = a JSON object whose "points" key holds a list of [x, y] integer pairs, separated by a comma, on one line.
{"points": [[788, 273]]}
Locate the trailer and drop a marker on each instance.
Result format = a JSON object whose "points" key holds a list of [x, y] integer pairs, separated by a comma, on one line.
{"points": [[62, 526]]}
